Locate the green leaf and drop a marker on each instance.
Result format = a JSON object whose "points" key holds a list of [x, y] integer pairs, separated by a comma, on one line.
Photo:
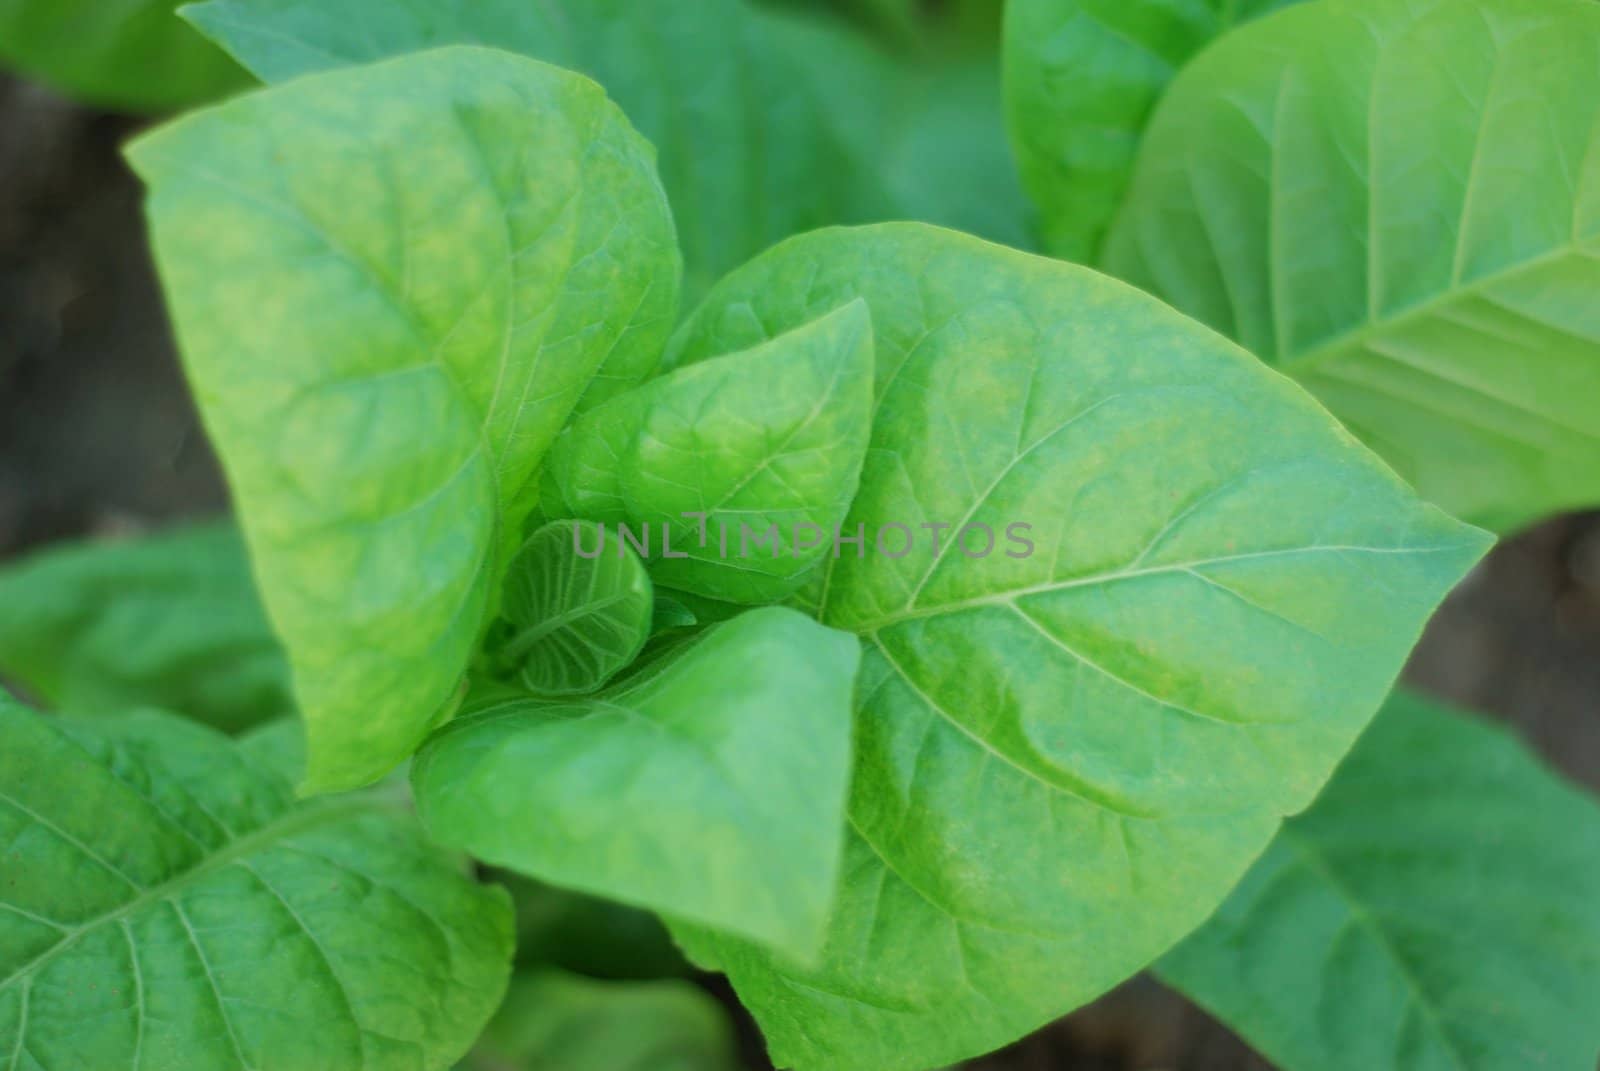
{"points": [[1081, 79], [708, 786], [1399, 205], [117, 53], [167, 903], [942, 153], [671, 613], [580, 606], [1439, 907], [277, 40], [553, 1021], [171, 621], [1222, 587], [727, 94], [768, 124], [900, 20], [738, 470], [461, 241]]}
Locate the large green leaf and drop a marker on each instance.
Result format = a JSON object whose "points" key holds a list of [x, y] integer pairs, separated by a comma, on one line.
{"points": [[118, 53], [578, 603], [553, 1021], [749, 153], [1065, 759], [170, 621], [1081, 79], [1399, 205], [1439, 907], [709, 460], [709, 786], [391, 286], [768, 124], [165, 902]]}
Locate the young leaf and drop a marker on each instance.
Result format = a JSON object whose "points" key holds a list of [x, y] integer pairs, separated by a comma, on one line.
{"points": [[1220, 590], [117, 53], [767, 124], [167, 903], [738, 470], [169, 621], [708, 786], [671, 613], [392, 285], [700, 610], [554, 1021], [1081, 78], [579, 603], [1399, 205], [1439, 906]]}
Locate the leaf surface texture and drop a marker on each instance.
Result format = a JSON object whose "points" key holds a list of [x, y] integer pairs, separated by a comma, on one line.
{"points": [[708, 785], [171, 621], [1398, 204], [1222, 588], [1438, 908], [165, 902], [392, 285]]}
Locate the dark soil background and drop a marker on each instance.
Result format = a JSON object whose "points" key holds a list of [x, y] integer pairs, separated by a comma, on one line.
{"points": [[97, 434]]}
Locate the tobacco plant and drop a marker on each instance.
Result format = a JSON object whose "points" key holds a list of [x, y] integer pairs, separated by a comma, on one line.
{"points": [[933, 634]]}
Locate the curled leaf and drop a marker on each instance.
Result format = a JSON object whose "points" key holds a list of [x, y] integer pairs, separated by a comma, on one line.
{"points": [[578, 600], [737, 471]]}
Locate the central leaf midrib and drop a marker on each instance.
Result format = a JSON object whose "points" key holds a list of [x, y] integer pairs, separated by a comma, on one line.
{"points": [[526, 639], [1003, 597], [1309, 361], [1083, 791], [296, 821], [1306, 851]]}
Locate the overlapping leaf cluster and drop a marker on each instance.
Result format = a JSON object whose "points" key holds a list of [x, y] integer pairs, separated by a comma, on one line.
{"points": [[914, 804]]}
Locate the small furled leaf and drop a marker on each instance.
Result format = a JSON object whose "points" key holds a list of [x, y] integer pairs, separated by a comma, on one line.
{"points": [[117, 53], [554, 1021], [704, 611], [737, 472], [170, 621], [579, 603], [1081, 79], [392, 285], [1113, 706], [165, 902], [710, 785], [1398, 204], [768, 124], [671, 613], [1439, 907]]}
